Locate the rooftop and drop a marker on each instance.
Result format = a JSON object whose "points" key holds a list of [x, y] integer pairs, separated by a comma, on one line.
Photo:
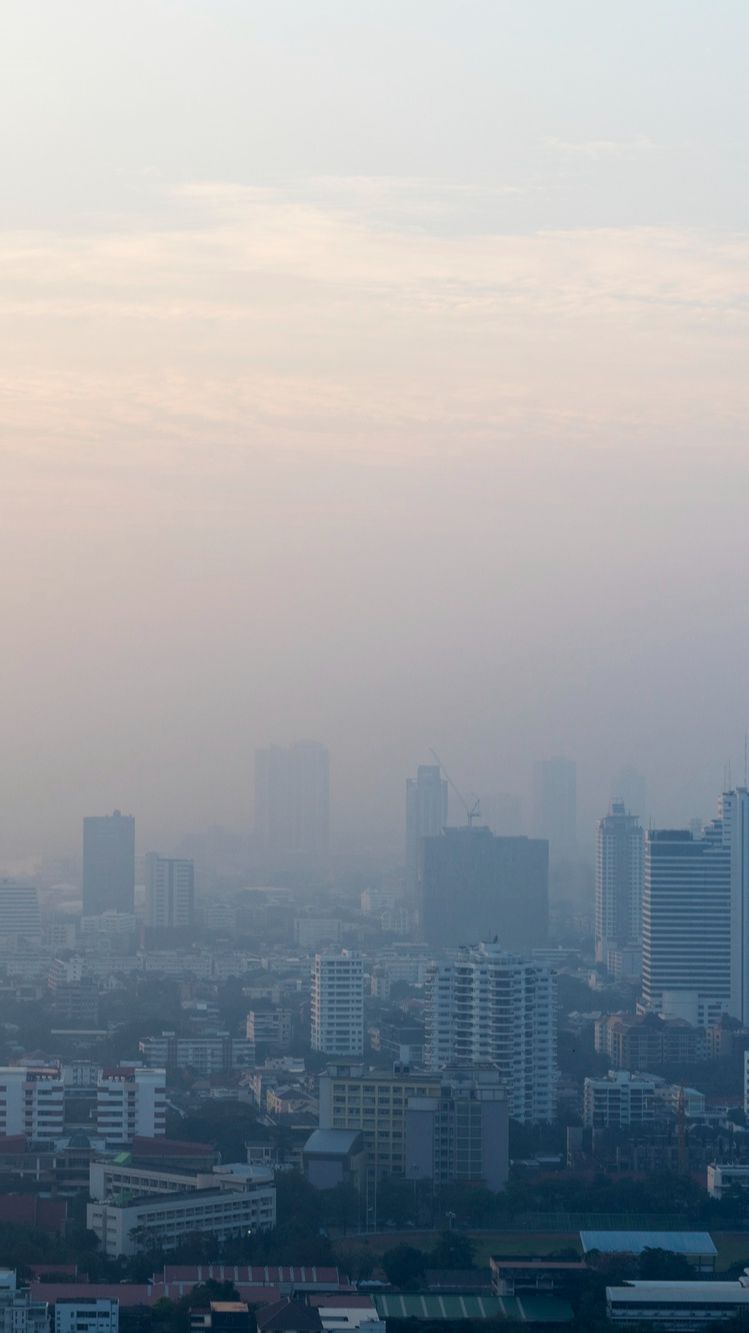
{"points": [[697, 1243]]}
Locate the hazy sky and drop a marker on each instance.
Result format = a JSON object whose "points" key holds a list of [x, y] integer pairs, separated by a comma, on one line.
{"points": [[374, 371]]}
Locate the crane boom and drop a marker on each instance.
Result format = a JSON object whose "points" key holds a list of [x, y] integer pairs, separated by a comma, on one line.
{"points": [[472, 811]]}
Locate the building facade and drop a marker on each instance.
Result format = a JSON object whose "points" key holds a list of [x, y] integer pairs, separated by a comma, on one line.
{"points": [[619, 876], [473, 885], [426, 816], [461, 1135], [486, 1005], [108, 864], [554, 807], [170, 892], [617, 1101], [162, 1221], [32, 1101], [130, 1103], [292, 801], [338, 1003], [686, 924]]}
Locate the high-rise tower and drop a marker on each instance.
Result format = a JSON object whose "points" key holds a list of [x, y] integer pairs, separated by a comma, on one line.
{"points": [[619, 872], [108, 864]]}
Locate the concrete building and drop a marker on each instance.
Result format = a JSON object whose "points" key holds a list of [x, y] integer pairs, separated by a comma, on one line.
{"points": [[32, 1101], [554, 807], [130, 1102], [338, 1003], [81, 1315], [292, 802], [110, 1178], [20, 920], [722, 1178], [619, 876], [18, 1312], [335, 1157], [686, 940], [619, 1100], [475, 886], [426, 817], [108, 863], [678, 1306], [170, 892], [162, 1221], [270, 1027], [374, 1102], [461, 1135], [646, 1042], [489, 1005], [207, 1053]]}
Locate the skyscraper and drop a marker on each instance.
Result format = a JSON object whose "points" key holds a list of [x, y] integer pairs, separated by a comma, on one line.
{"points": [[170, 892], [555, 806], [292, 801], [686, 924], [426, 816], [108, 864], [734, 809], [619, 872], [475, 886], [489, 1005]]}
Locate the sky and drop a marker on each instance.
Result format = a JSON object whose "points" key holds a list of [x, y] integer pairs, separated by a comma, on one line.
{"points": [[374, 372]]}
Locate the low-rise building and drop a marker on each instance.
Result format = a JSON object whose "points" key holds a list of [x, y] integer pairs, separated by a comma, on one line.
{"points": [[81, 1315], [678, 1306], [619, 1100], [164, 1220], [270, 1027], [723, 1177], [207, 1053], [647, 1042]]}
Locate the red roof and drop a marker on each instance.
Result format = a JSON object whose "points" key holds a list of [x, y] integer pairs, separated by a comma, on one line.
{"points": [[12, 1143], [134, 1293], [255, 1273], [31, 1210]]}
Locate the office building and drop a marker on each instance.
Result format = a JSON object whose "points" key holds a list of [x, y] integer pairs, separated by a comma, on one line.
{"points": [[554, 806], [426, 816], [462, 1134], [686, 924], [108, 864], [32, 1101], [734, 814], [162, 1221], [619, 1100], [474, 886], [20, 921], [619, 875], [80, 1314], [338, 1003], [130, 1103], [206, 1054], [170, 893], [292, 801], [489, 1005]]}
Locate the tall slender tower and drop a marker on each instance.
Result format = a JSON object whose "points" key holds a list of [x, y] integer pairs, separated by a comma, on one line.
{"points": [[426, 816], [555, 806], [108, 864], [619, 872]]}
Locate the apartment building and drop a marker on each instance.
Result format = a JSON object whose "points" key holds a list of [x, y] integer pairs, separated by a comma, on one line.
{"points": [[338, 1003], [486, 1005], [209, 1053], [32, 1101], [374, 1102], [619, 1100], [80, 1314], [130, 1101]]}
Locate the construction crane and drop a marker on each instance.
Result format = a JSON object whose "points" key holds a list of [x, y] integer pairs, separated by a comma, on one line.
{"points": [[472, 811]]}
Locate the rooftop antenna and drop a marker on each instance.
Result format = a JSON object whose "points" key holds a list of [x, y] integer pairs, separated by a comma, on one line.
{"points": [[472, 811], [746, 760]]}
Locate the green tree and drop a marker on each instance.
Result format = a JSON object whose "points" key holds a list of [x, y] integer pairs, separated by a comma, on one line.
{"points": [[664, 1265], [453, 1250], [404, 1265]]}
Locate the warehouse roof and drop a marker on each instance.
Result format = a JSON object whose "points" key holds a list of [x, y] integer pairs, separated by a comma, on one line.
{"points": [[697, 1243]]}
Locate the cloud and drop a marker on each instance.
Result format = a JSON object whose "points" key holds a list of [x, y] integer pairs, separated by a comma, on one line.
{"points": [[602, 150]]}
